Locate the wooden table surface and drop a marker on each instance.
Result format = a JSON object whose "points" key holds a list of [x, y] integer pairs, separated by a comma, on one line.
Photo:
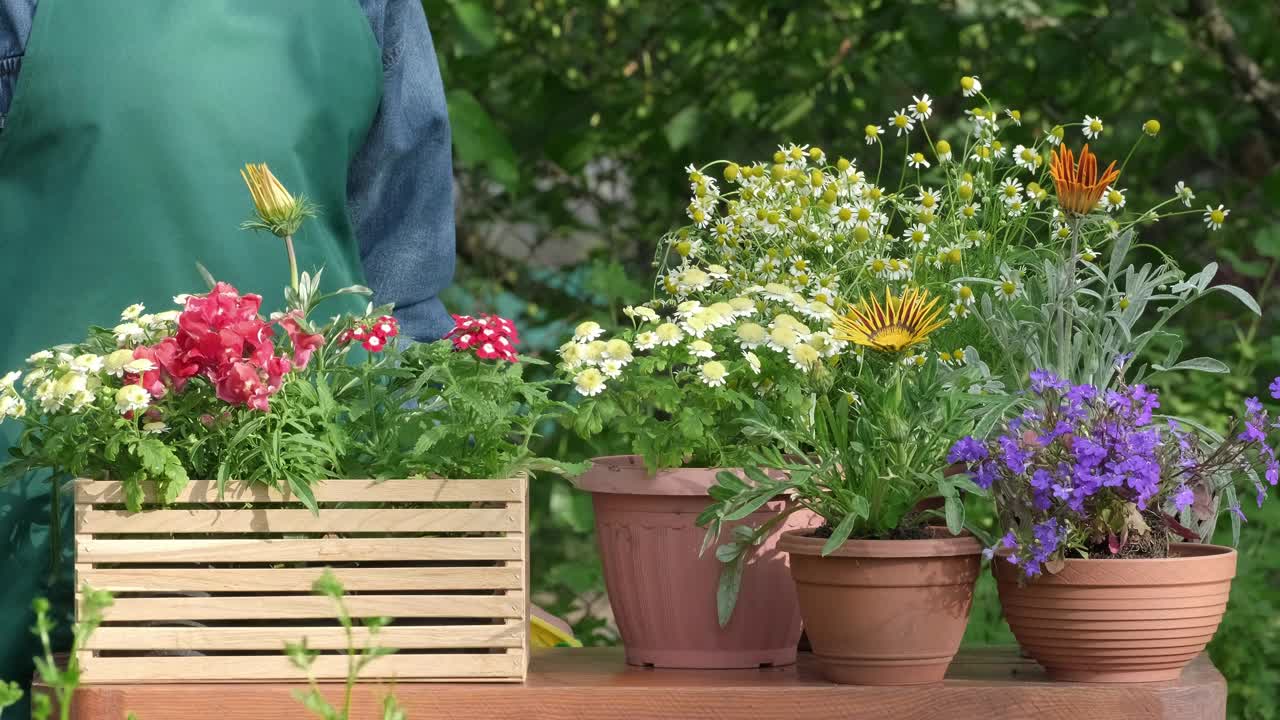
{"points": [[594, 683]]}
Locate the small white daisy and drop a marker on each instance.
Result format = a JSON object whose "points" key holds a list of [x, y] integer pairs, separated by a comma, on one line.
{"points": [[1214, 218], [1184, 193], [1092, 126], [902, 122], [922, 107]]}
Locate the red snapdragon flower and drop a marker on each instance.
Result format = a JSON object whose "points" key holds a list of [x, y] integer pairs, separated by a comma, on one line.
{"points": [[304, 344], [489, 336]]}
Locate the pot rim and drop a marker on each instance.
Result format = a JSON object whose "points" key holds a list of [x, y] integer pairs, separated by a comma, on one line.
{"points": [[627, 475], [1188, 554], [802, 542]]}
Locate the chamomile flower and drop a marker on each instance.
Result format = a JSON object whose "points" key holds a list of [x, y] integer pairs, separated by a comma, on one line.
{"points": [[698, 325], [917, 361], [1014, 115], [804, 356], [898, 269], [1214, 218], [133, 312], [753, 362], [928, 199], [878, 267], [646, 340], [921, 108], [1055, 135], [970, 85], [943, 149], [817, 310], [589, 382], [618, 349], [1183, 193], [1112, 199], [713, 374], [1010, 190], [587, 331], [39, 356], [959, 310], [902, 122], [87, 363], [742, 306], [702, 349], [916, 236], [1088, 254], [873, 133], [139, 366], [129, 332], [668, 334], [1008, 288], [783, 337], [826, 345], [917, 160], [1092, 127], [970, 210], [132, 399], [12, 406], [964, 294], [1015, 207], [1025, 157], [982, 153], [592, 353], [1036, 193], [751, 335], [640, 312], [611, 368], [1061, 230], [767, 268]]}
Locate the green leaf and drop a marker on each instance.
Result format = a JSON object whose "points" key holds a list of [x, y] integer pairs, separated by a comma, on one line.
{"points": [[1201, 364], [840, 534], [302, 490], [727, 591], [479, 141], [1240, 294], [682, 127], [208, 276], [751, 505], [954, 507], [728, 552]]}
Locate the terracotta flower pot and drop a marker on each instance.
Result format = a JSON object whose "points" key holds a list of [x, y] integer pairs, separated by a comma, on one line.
{"points": [[884, 612], [1120, 620], [663, 594]]}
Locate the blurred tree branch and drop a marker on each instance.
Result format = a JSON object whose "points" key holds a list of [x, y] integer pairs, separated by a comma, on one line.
{"points": [[1260, 91]]}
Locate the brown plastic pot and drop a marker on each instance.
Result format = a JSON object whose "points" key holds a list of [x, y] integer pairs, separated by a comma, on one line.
{"points": [[884, 612], [1119, 621], [663, 593]]}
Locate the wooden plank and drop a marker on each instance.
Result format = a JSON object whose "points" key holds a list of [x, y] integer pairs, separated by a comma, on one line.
{"points": [[287, 607], [205, 492], [274, 638], [223, 522], [95, 550], [266, 667], [594, 682], [299, 579]]}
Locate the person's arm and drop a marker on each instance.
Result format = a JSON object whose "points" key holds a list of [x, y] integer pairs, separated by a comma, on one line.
{"points": [[400, 186]]}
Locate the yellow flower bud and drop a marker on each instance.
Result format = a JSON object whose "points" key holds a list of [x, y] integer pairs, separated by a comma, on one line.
{"points": [[731, 172], [843, 164], [1151, 127], [943, 147], [279, 212]]}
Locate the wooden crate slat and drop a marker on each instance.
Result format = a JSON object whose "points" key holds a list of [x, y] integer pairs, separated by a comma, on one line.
{"points": [[486, 566], [444, 666], [223, 522], [97, 550], [299, 579], [205, 492], [287, 607], [274, 638]]}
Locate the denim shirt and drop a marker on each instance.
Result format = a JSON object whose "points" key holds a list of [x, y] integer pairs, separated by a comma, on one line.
{"points": [[400, 184]]}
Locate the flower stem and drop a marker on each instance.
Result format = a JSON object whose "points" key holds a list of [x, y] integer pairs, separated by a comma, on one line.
{"points": [[293, 262]]}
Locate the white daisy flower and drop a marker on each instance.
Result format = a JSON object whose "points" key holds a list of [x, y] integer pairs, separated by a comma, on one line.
{"points": [[1014, 115], [915, 361], [1015, 208], [776, 292], [1008, 288], [804, 356], [128, 333], [743, 306], [1054, 136], [702, 349], [964, 294], [1092, 127], [713, 374], [688, 309], [921, 108], [1214, 218], [646, 340], [37, 357], [1183, 193], [132, 312], [87, 363], [1112, 199], [970, 210], [641, 312], [1010, 190], [612, 368], [751, 335], [1025, 157], [617, 349], [901, 122], [668, 334], [873, 133], [917, 160], [132, 398], [916, 236], [587, 331], [970, 86], [589, 382]]}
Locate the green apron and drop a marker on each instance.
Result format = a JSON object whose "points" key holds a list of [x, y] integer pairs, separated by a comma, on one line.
{"points": [[119, 170]]}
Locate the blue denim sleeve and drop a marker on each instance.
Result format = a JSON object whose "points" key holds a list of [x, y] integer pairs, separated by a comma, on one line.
{"points": [[400, 185], [15, 26]]}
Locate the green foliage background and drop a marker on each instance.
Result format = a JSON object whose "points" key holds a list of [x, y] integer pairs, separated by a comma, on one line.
{"points": [[572, 120]]}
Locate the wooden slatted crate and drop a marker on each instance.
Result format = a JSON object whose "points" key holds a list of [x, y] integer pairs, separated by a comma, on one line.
{"points": [[211, 588]]}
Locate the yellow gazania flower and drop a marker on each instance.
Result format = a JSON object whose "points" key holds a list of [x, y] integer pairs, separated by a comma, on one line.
{"points": [[897, 325], [278, 212], [1079, 187]]}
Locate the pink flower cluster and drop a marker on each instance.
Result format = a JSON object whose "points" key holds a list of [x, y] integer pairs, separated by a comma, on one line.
{"points": [[489, 336], [222, 338], [373, 336]]}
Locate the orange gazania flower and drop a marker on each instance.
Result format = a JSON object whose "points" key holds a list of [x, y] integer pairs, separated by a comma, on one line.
{"points": [[1079, 187]]}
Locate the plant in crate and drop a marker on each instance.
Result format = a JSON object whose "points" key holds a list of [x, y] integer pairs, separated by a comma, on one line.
{"points": [[284, 407]]}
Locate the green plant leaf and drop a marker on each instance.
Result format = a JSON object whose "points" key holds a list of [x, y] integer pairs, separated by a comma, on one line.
{"points": [[840, 533], [727, 590], [479, 141], [1240, 294]]}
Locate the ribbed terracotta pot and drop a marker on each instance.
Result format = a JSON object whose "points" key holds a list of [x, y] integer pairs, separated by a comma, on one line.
{"points": [[663, 594], [1120, 621], [884, 612]]}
